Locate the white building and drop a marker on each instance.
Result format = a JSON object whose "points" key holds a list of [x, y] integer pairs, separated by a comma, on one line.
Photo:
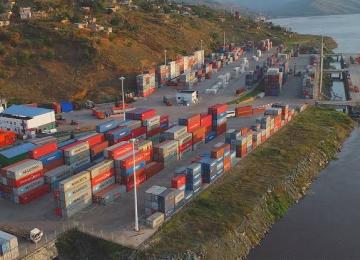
{"points": [[25, 13], [187, 97], [27, 121]]}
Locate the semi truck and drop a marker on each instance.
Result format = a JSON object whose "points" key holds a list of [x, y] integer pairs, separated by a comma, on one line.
{"points": [[34, 235]]}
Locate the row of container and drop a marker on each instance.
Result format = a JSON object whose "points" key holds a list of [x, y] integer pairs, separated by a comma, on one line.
{"points": [[161, 202]]}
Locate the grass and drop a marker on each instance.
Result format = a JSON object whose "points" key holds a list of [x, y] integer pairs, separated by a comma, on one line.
{"points": [[77, 245], [252, 94]]}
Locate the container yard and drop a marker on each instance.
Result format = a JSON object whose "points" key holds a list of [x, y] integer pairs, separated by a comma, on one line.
{"points": [[90, 177]]}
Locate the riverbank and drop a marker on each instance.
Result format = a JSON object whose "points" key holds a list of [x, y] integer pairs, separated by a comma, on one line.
{"points": [[232, 216]]}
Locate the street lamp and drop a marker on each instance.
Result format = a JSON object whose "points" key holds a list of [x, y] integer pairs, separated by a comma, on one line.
{"points": [[123, 95], [165, 51], [201, 44], [135, 189]]}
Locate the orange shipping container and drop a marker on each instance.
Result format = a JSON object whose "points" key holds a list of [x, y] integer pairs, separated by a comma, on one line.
{"points": [[7, 138], [227, 164]]}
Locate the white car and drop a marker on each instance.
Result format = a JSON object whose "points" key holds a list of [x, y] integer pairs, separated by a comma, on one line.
{"points": [[230, 113]]}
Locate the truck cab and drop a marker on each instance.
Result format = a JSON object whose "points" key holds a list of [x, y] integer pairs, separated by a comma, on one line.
{"points": [[36, 235]]}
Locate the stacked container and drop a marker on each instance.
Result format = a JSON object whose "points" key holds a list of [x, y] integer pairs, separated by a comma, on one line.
{"points": [[117, 135], [166, 152], [116, 151], [153, 168], [52, 160], [74, 194], [208, 169], [54, 176], [179, 182], [109, 194], [219, 114], [102, 176], [96, 143], [152, 199], [77, 155], [273, 82], [145, 84], [146, 147], [15, 154], [193, 177], [106, 126], [166, 202], [126, 166], [206, 122], [24, 181], [9, 247]]}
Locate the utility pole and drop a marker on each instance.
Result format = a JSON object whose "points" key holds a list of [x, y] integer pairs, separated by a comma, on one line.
{"points": [[135, 188], [321, 67], [123, 96], [165, 51], [201, 44], [224, 40]]}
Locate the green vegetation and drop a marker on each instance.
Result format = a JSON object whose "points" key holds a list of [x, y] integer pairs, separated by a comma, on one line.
{"points": [[51, 59], [252, 94], [231, 216], [77, 245]]}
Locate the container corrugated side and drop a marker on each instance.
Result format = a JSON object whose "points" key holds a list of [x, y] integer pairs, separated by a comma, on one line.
{"points": [[75, 180]]}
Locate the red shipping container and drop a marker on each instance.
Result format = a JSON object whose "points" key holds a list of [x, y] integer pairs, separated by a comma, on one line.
{"points": [[178, 181], [130, 179], [227, 164], [206, 120], [5, 188], [148, 114], [221, 129], [218, 109], [193, 122], [258, 110], [120, 151], [148, 154], [95, 139], [217, 152], [102, 177], [53, 165], [185, 146], [154, 132], [34, 194], [199, 135], [244, 132], [263, 138], [127, 161], [124, 139], [58, 212], [138, 132], [153, 168], [164, 119], [98, 148], [43, 150], [241, 151], [25, 180]]}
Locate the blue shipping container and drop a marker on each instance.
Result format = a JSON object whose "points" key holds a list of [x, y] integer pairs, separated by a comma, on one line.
{"points": [[211, 136], [49, 158], [17, 150], [66, 106], [65, 143], [130, 171], [106, 126]]}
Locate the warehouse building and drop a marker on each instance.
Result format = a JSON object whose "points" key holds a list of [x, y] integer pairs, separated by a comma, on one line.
{"points": [[27, 121]]}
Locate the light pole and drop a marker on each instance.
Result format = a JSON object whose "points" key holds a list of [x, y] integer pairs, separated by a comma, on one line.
{"points": [[201, 44], [165, 51], [123, 95], [135, 189]]}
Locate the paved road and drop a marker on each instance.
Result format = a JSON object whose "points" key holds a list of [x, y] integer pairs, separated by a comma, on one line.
{"points": [[117, 219]]}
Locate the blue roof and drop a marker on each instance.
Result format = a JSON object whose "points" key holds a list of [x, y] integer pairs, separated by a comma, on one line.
{"points": [[17, 150], [25, 111]]}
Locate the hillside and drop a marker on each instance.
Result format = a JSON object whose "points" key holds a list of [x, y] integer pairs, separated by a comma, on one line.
{"points": [[301, 7], [52, 59]]}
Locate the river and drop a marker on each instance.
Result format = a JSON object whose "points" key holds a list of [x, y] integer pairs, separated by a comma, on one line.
{"points": [[326, 223]]}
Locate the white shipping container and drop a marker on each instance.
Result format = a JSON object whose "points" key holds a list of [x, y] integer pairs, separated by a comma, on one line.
{"points": [[71, 201], [155, 220], [74, 181], [101, 168], [152, 121], [22, 169], [11, 238], [75, 192], [74, 150], [175, 132]]}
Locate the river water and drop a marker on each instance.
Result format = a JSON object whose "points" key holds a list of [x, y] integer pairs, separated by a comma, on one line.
{"points": [[326, 223]]}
